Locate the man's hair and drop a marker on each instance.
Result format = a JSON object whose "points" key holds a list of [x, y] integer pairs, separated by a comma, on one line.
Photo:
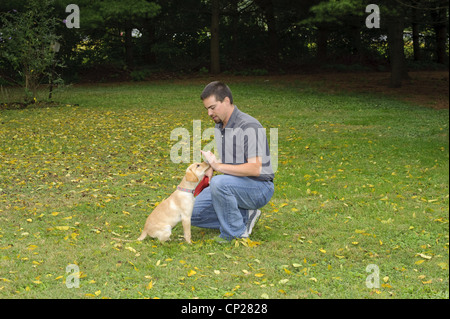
{"points": [[219, 90]]}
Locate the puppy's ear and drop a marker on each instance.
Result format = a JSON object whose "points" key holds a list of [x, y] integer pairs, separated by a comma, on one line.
{"points": [[191, 177]]}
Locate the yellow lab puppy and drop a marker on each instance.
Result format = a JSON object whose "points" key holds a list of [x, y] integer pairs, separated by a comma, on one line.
{"points": [[177, 207]]}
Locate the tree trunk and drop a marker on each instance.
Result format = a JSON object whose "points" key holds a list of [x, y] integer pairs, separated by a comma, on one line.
{"points": [[129, 48], [215, 49], [396, 51], [235, 34], [322, 46], [416, 35], [148, 37], [273, 50], [440, 19], [273, 36], [441, 37], [356, 42]]}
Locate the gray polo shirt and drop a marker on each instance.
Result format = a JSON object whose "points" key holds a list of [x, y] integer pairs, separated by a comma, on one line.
{"points": [[243, 138]]}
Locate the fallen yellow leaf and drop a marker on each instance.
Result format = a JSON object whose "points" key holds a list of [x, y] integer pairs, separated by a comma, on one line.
{"points": [[424, 256], [444, 266], [191, 273], [131, 249]]}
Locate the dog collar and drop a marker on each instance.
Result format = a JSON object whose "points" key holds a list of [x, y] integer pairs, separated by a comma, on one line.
{"points": [[185, 190]]}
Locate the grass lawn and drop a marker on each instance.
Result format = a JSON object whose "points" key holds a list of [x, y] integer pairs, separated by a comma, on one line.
{"points": [[363, 179]]}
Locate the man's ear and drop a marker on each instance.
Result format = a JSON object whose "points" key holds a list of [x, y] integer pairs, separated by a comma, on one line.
{"points": [[191, 177]]}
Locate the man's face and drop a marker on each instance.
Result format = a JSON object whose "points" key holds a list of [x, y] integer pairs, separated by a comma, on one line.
{"points": [[217, 110]]}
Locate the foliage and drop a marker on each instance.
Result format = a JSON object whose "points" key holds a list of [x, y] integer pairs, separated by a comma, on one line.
{"points": [[278, 36], [362, 180], [336, 12], [26, 43]]}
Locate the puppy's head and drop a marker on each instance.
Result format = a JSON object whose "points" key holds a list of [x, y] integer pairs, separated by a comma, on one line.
{"points": [[196, 171]]}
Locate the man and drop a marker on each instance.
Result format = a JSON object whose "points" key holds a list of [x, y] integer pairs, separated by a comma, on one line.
{"points": [[231, 202]]}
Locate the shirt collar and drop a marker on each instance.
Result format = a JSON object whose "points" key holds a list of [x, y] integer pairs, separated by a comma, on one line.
{"points": [[232, 119]]}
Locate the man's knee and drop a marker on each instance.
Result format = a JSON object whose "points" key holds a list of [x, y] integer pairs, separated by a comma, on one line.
{"points": [[218, 183]]}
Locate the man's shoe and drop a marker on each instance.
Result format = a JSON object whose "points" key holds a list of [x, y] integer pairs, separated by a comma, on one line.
{"points": [[220, 240], [253, 217]]}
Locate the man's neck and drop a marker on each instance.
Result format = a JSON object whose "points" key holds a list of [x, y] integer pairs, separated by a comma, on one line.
{"points": [[225, 122]]}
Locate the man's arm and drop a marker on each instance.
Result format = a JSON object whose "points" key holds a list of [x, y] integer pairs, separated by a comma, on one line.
{"points": [[252, 168]]}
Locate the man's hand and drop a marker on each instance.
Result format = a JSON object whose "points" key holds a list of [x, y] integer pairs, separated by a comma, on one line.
{"points": [[209, 173], [252, 168], [211, 159]]}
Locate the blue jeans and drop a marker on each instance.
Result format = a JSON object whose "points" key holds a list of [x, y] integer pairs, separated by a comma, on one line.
{"points": [[225, 203]]}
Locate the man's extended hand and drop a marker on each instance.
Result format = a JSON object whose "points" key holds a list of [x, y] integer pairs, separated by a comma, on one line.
{"points": [[251, 168], [211, 159]]}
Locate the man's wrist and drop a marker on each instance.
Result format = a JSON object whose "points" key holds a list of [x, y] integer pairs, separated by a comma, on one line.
{"points": [[216, 167]]}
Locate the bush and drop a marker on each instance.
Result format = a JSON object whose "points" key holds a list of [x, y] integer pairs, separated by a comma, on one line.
{"points": [[140, 75], [26, 43]]}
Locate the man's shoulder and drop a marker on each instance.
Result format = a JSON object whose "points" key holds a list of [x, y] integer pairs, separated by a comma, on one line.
{"points": [[245, 120]]}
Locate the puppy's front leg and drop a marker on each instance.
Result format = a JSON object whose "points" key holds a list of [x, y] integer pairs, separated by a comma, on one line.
{"points": [[187, 229]]}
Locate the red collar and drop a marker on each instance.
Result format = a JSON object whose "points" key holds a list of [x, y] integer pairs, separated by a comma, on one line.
{"points": [[202, 185]]}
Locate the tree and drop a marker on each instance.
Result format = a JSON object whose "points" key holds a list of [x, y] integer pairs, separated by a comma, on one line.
{"points": [[440, 19], [332, 15], [118, 18], [432, 14], [26, 43], [395, 19], [395, 27], [267, 7], [215, 44]]}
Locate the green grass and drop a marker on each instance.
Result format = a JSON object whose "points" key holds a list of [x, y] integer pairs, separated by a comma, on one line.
{"points": [[362, 179]]}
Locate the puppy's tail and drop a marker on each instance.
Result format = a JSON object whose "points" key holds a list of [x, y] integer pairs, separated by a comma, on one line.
{"points": [[142, 237], [126, 240]]}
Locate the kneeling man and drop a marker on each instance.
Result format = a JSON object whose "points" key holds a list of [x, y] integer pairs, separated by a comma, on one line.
{"points": [[232, 200]]}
